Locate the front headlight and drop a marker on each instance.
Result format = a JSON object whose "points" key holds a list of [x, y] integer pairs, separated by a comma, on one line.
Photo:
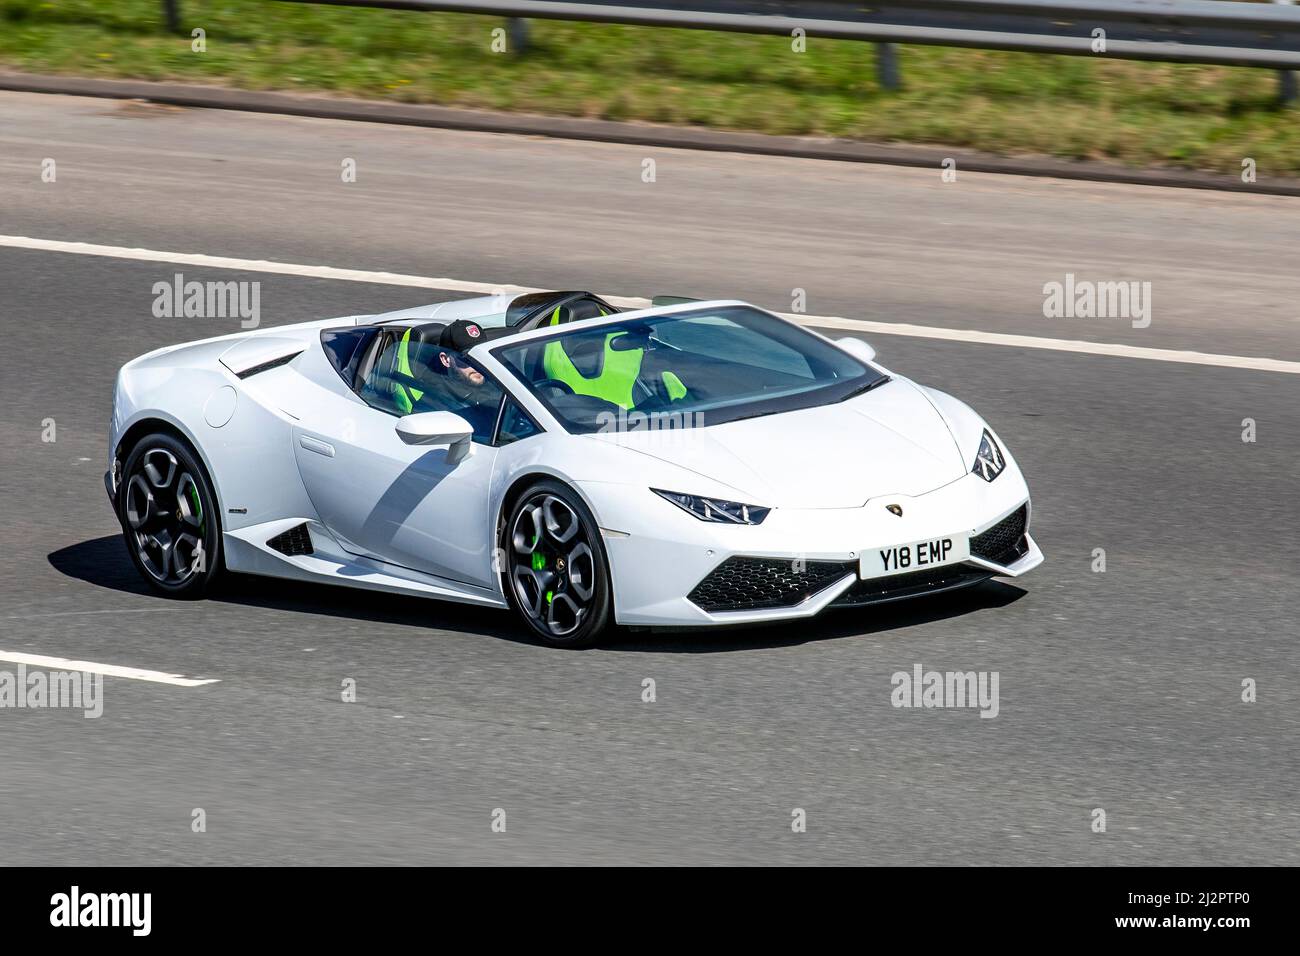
{"points": [[712, 509], [989, 460]]}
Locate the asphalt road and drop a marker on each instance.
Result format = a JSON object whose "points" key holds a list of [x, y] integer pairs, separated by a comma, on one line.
{"points": [[1118, 690]]}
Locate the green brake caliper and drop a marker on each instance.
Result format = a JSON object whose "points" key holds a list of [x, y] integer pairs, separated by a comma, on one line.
{"points": [[198, 508], [539, 562]]}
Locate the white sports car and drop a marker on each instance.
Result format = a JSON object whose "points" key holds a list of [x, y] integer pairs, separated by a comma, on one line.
{"points": [[694, 463]]}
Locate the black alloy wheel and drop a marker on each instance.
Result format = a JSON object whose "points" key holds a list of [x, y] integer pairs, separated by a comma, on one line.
{"points": [[556, 575], [169, 517]]}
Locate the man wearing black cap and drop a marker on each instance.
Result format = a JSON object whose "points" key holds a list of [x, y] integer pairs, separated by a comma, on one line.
{"points": [[462, 379], [461, 387]]}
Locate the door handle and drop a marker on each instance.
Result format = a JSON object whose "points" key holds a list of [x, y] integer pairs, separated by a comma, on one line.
{"points": [[319, 447]]}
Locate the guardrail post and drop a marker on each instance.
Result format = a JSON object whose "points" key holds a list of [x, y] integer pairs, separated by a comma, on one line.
{"points": [[887, 66], [172, 15], [517, 31], [1286, 85]]}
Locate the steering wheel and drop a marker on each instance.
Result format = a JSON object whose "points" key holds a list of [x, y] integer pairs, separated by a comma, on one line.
{"points": [[564, 387]]}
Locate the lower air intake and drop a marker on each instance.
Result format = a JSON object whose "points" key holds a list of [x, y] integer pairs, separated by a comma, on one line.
{"points": [[293, 542], [748, 584], [1005, 541]]}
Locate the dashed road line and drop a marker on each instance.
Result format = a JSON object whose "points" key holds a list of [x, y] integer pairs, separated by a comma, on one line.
{"points": [[1113, 350], [108, 670]]}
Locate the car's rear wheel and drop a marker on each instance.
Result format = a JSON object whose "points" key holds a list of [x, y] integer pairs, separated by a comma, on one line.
{"points": [[169, 517], [554, 571]]}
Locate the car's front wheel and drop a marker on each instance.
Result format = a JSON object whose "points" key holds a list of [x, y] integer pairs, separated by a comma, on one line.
{"points": [[554, 571], [169, 517]]}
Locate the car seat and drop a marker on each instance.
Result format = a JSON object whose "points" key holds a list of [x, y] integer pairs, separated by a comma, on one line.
{"points": [[593, 366], [404, 393]]}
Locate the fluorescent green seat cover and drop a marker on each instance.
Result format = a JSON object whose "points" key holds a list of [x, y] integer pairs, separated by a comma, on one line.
{"points": [[617, 373], [405, 396]]}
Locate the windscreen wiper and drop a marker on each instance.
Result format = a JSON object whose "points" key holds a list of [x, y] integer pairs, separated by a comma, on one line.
{"points": [[863, 389]]}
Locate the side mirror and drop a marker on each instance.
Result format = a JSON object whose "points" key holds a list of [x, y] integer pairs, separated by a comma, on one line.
{"points": [[857, 348], [437, 428]]}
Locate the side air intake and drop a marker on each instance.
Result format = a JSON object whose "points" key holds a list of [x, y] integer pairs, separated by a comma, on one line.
{"points": [[268, 365], [293, 542]]}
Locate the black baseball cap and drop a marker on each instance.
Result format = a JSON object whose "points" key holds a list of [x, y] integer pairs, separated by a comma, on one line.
{"points": [[461, 335]]}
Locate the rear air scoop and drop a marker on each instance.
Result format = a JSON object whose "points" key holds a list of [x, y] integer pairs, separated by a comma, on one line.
{"points": [[260, 353]]}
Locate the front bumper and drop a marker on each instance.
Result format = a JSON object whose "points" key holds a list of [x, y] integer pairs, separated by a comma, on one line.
{"points": [[670, 569]]}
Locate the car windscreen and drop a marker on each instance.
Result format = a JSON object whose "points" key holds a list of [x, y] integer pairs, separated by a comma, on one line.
{"points": [[713, 365]]}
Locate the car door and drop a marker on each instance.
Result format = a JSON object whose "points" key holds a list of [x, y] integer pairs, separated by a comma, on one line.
{"points": [[398, 503]]}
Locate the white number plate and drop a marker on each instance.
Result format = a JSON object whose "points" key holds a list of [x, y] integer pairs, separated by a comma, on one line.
{"points": [[900, 559]]}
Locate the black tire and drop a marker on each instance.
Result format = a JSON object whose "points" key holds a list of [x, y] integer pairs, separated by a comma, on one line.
{"points": [[168, 512], [560, 591]]}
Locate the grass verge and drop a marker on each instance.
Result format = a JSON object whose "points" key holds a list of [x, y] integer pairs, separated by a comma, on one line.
{"points": [[1198, 117]]}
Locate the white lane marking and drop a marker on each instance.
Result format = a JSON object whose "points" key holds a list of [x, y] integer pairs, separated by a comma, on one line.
{"points": [[279, 268], [108, 670], [1056, 345], [1253, 363]]}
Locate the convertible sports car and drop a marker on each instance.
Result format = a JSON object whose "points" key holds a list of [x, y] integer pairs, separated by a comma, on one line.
{"points": [[693, 463]]}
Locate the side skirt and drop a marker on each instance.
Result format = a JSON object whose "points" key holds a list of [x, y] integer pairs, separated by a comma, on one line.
{"points": [[247, 552]]}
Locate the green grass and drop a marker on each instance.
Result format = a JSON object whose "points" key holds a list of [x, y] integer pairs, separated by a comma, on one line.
{"points": [[1074, 107]]}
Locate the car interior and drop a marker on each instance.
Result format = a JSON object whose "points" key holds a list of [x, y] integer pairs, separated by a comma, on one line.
{"points": [[397, 369], [587, 376], [678, 363], [391, 367]]}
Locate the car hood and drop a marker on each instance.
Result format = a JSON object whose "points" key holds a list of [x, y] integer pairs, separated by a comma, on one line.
{"points": [[890, 440]]}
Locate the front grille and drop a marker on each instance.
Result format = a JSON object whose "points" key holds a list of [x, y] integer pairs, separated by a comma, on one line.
{"points": [[747, 584], [1005, 541], [295, 541], [898, 586]]}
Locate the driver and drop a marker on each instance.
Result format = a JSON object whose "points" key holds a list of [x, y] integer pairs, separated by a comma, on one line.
{"points": [[460, 379], [459, 386]]}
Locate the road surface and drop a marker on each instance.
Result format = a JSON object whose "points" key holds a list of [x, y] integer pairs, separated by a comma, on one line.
{"points": [[1119, 690]]}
